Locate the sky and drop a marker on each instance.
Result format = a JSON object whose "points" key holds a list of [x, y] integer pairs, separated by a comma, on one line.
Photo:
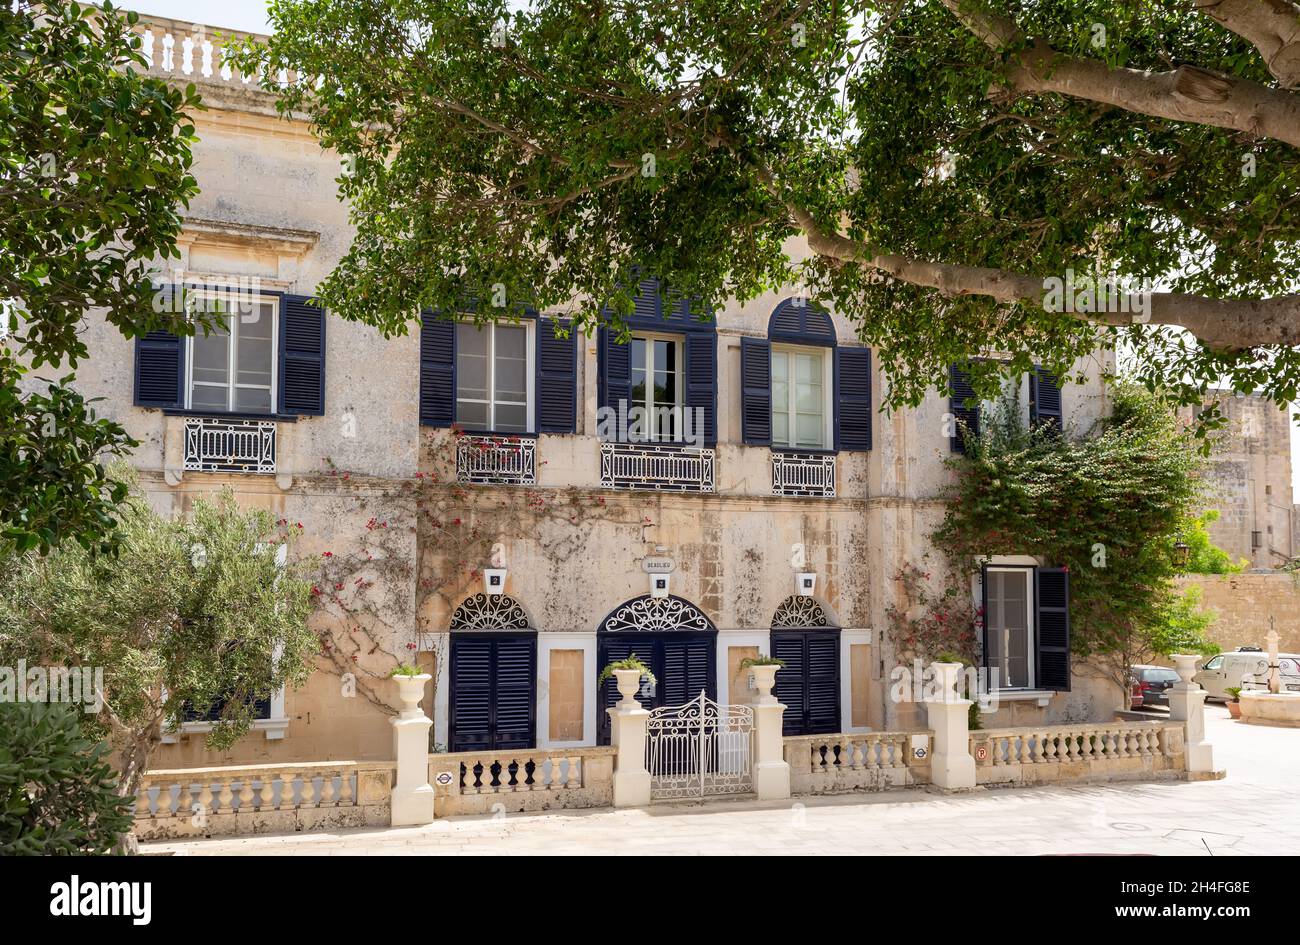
{"points": [[247, 15], [250, 15]]}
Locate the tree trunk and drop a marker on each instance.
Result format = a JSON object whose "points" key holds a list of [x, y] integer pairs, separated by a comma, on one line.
{"points": [[135, 762]]}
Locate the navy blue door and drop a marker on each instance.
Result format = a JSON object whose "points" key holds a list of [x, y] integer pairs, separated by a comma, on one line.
{"points": [[808, 685], [493, 700], [683, 663]]}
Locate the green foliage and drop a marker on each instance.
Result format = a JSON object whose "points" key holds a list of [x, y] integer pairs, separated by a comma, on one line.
{"points": [[555, 151], [632, 662], [57, 793], [187, 613], [1180, 626], [1108, 506], [1233, 693], [405, 669], [761, 660], [94, 170], [1203, 555]]}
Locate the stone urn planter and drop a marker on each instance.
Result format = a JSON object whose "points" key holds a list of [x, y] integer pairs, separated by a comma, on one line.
{"points": [[629, 683], [410, 690], [763, 678]]}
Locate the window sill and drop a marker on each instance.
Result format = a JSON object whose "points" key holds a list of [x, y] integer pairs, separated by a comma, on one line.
{"points": [[808, 450], [1041, 696], [227, 415], [274, 729]]}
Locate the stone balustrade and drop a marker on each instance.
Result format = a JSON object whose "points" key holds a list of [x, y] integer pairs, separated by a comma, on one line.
{"points": [[225, 801], [1112, 751], [524, 780], [867, 761]]}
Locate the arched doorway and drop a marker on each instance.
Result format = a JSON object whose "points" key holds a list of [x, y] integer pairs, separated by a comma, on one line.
{"points": [[673, 637], [806, 639], [492, 704]]}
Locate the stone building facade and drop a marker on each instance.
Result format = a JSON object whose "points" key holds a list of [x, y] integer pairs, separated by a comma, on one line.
{"points": [[412, 524], [1250, 482]]}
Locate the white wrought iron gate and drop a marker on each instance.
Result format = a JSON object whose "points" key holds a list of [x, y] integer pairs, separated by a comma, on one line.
{"points": [[699, 749]]}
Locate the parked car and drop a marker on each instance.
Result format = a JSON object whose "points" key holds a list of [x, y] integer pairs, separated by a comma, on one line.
{"points": [[1155, 683], [1244, 669]]}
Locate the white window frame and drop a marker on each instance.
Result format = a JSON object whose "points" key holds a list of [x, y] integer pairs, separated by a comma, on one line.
{"points": [[530, 339], [679, 391], [828, 399], [232, 351], [1031, 628]]}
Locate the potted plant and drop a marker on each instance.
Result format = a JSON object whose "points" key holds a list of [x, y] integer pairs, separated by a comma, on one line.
{"points": [[410, 687], [762, 675], [629, 673], [1234, 701]]}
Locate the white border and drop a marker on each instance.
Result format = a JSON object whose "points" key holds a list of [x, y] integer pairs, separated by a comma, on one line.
{"points": [[850, 638], [575, 640]]}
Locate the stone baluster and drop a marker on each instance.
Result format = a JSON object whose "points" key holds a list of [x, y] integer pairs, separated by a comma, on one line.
{"points": [[575, 773], [326, 796], [205, 798], [142, 801], [266, 796], [346, 797], [286, 790], [226, 799], [246, 793]]}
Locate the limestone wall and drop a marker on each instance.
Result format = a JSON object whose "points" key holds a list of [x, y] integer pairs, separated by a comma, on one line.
{"points": [[1243, 604]]}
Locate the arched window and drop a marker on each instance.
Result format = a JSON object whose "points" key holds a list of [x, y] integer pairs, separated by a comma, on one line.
{"points": [[493, 675], [808, 641], [490, 612], [673, 637], [801, 389]]}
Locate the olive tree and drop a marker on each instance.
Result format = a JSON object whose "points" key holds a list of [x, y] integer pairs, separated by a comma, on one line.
{"points": [[190, 615]]}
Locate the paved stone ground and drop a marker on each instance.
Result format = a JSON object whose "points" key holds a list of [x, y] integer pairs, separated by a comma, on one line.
{"points": [[1256, 810]]}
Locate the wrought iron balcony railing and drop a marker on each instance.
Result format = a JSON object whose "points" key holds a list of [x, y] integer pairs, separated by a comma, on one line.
{"points": [[214, 445], [497, 460], [656, 467], [803, 474]]}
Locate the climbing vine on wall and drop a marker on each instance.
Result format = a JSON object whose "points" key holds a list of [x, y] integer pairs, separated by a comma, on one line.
{"points": [[1108, 505]]}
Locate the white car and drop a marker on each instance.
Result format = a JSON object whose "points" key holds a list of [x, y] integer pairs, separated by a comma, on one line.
{"points": [[1243, 669]]}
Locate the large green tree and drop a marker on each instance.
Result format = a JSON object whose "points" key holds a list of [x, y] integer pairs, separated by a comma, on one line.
{"points": [[190, 615], [94, 171], [943, 159]]}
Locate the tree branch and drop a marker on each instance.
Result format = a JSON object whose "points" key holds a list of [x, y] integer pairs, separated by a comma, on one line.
{"points": [[1186, 93], [1271, 26], [1224, 324]]}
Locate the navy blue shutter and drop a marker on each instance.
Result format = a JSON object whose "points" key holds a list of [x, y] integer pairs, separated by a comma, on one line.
{"points": [[822, 683], [791, 689], [756, 392], [302, 357], [963, 415], [471, 693], [687, 670], [158, 374], [853, 398], [515, 703], [492, 701], [702, 382], [1045, 398], [437, 370], [615, 371], [809, 682], [1052, 606], [557, 378]]}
